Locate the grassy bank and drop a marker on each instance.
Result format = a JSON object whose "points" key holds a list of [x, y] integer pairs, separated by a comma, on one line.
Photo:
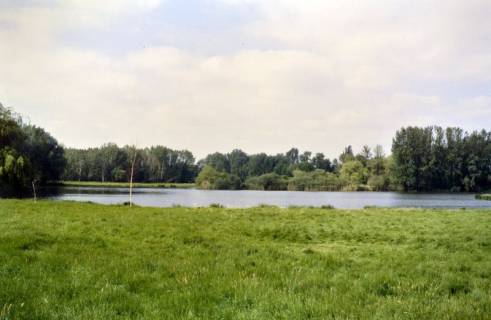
{"points": [[67, 260], [124, 184], [483, 196]]}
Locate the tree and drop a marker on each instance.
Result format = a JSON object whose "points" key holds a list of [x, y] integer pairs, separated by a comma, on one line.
{"points": [[347, 155], [364, 155], [411, 148], [292, 156], [219, 161], [305, 163], [238, 161], [45, 155], [268, 181], [354, 173], [210, 178], [320, 162], [28, 155], [260, 164]]}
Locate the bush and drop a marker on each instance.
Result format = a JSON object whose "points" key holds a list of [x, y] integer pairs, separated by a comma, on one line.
{"points": [[268, 181], [327, 207], [317, 180], [378, 183], [216, 205], [211, 179], [483, 197]]}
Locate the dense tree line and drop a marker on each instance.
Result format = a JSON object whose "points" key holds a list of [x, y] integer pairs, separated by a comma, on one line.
{"points": [[296, 171], [111, 163], [434, 158], [423, 159], [29, 156]]}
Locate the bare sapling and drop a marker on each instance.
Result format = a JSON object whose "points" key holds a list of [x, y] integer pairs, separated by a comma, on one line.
{"points": [[34, 190], [131, 176]]}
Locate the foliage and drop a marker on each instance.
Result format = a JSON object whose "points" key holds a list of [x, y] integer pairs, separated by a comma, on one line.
{"points": [[423, 159], [46, 156], [68, 260], [212, 179], [111, 163], [432, 158], [28, 155], [354, 173], [317, 180], [268, 181]]}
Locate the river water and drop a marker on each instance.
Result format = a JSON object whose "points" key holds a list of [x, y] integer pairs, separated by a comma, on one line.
{"points": [[246, 198]]}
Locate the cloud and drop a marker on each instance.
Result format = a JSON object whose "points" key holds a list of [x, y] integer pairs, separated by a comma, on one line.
{"points": [[318, 76]]}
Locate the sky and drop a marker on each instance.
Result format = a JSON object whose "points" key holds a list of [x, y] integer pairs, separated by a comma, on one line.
{"points": [[259, 75]]}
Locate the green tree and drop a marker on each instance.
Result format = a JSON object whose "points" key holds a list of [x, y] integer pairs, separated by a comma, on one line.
{"points": [[354, 173], [210, 178], [347, 155], [268, 181]]}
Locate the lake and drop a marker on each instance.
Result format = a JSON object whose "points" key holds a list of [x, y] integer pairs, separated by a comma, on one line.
{"points": [[247, 198]]}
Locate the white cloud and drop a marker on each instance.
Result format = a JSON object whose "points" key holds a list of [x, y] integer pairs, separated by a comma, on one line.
{"points": [[345, 73]]}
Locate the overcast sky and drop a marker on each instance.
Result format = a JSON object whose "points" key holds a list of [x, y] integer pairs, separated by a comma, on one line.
{"points": [[259, 75]]}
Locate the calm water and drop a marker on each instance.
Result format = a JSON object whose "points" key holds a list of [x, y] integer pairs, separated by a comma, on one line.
{"points": [[195, 198]]}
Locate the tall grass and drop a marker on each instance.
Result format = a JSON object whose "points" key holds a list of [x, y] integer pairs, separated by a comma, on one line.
{"points": [[67, 260]]}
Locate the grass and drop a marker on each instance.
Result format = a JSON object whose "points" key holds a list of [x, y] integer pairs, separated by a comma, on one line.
{"points": [[125, 184], [483, 196], [68, 260]]}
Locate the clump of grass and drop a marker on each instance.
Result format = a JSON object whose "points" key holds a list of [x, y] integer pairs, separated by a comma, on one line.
{"points": [[5, 311], [128, 204], [327, 207], [308, 251], [266, 206], [216, 205], [293, 206]]}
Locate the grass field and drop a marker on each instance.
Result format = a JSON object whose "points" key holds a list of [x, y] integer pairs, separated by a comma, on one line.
{"points": [[125, 184], [67, 260]]}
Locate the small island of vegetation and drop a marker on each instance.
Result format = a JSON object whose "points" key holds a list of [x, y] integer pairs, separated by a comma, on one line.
{"points": [[483, 197]]}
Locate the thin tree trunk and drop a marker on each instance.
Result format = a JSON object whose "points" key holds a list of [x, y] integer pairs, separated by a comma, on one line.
{"points": [[162, 171], [131, 178], [34, 190]]}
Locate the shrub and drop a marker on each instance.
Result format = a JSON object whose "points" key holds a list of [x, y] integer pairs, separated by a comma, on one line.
{"points": [[317, 180], [211, 179], [268, 181], [216, 205]]}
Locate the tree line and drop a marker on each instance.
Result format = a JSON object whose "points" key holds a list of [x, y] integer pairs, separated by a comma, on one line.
{"points": [[434, 158], [111, 163], [421, 159], [29, 156], [297, 171]]}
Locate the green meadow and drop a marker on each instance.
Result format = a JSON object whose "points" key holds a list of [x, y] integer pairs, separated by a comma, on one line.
{"points": [[68, 260]]}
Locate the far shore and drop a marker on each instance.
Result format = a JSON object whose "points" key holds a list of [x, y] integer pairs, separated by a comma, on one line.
{"points": [[166, 185]]}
